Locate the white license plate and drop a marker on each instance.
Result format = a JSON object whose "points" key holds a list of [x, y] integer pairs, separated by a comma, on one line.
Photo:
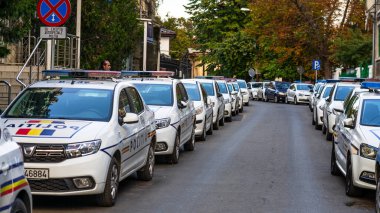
{"points": [[36, 173]]}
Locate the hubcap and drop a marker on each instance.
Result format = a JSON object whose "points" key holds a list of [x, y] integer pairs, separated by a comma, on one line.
{"points": [[114, 181], [151, 160]]}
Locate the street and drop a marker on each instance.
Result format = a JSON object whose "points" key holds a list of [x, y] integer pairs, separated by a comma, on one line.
{"points": [[268, 159]]}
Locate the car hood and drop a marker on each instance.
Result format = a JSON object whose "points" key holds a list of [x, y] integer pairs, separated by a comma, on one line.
{"points": [[282, 90], [161, 111], [371, 135], [32, 130]]}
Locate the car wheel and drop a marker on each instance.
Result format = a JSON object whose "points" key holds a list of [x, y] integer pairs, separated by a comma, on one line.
{"points": [[241, 110], [229, 119], [351, 190], [313, 120], [216, 124], [328, 134], [203, 136], [221, 121], [295, 100], [237, 109], [247, 104], [210, 131], [190, 145], [334, 170], [378, 195], [174, 157], [109, 195], [19, 206], [146, 172], [317, 126], [323, 129]]}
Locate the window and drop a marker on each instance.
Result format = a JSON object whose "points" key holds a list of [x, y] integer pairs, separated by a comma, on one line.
{"points": [[327, 92], [137, 104], [342, 92], [124, 104], [156, 94], [371, 113], [209, 88], [183, 92], [193, 91], [223, 88], [204, 94], [352, 108]]}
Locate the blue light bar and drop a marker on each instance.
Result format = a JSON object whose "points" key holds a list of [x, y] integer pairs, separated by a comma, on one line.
{"points": [[321, 81], [333, 80], [70, 74], [142, 74], [370, 85]]}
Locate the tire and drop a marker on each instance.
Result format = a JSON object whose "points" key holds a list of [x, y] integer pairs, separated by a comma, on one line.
{"points": [[351, 190], [378, 196], [146, 172], [174, 157], [313, 120], [323, 129], [109, 196], [19, 206], [317, 126], [266, 99], [203, 136], [328, 134], [216, 124], [210, 131], [295, 100], [229, 119], [190, 145], [221, 121], [334, 170], [241, 110], [237, 109]]}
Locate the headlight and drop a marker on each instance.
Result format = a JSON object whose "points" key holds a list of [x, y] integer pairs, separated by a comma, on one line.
{"points": [[199, 110], [300, 94], [162, 123], [82, 149], [7, 135], [368, 151], [281, 93]]}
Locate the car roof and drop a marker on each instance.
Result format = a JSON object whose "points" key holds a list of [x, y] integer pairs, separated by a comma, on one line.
{"points": [[80, 83], [152, 80], [205, 80]]}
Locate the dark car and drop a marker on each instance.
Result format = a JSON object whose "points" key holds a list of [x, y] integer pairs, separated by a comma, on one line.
{"points": [[276, 91]]}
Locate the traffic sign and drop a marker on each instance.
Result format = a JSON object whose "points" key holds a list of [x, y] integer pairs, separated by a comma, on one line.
{"points": [[53, 13], [53, 32], [300, 70], [251, 72], [316, 65]]}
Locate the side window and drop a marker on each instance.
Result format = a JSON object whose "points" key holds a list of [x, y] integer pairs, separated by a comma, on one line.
{"points": [[352, 107], [137, 103], [124, 104], [331, 93], [183, 92], [178, 93], [204, 94], [217, 87]]}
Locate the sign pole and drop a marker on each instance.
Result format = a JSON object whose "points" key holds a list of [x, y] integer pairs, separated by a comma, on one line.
{"points": [[52, 53], [316, 76]]}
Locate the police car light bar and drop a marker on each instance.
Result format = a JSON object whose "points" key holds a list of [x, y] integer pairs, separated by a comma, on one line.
{"points": [[144, 74], [70, 74], [333, 80], [370, 85]]}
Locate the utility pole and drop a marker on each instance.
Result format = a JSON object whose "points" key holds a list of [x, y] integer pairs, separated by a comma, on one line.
{"points": [[78, 31]]}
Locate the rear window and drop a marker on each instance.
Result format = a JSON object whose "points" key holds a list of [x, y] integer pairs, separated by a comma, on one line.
{"points": [[342, 92], [257, 85]]}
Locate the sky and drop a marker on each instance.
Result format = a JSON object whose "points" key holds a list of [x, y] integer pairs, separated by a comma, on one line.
{"points": [[173, 7]]}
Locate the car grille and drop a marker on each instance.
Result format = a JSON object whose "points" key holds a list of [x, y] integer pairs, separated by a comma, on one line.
{"points": [[49, 185], [47, 153]]}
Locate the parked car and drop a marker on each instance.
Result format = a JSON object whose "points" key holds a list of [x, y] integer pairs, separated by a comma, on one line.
{"points": [[336, 97], [235, 98], [202, 105], [276, 91], [82, 137], [255, 88], [356, 143], [298, 93], [244, 91], [249, 87], [15, 191], [240, 95], [217, 101], [261, 91], [227, 99], [313, 94], [319, 103]]}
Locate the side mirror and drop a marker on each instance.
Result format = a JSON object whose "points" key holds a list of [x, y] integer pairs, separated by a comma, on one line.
{"points": [[234, 93], [219, 94], [317, 95], [131, 118], [182, 104], [349, 123], [327, 99], [311, 90]]}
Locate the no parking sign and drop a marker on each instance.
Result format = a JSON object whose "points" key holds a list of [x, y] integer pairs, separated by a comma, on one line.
{"points": [[53, 13]]}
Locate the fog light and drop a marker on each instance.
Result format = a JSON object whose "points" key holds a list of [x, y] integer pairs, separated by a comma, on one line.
{"points": [[161, 146], [82, 183], [368, 175]]}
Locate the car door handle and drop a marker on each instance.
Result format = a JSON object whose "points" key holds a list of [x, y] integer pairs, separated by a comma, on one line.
{"points": [[4, 168]]}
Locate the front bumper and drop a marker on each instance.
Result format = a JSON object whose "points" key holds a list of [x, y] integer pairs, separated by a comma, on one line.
{"points": [[360, 165], [245, 98], [167, 136], [228, 109], [303, 99], [200, 123]]}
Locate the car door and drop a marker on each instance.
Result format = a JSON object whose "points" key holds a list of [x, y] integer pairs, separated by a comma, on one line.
{"points": [[291, 92], [220, 98], [182, 113], [141, 147], [128, 134], [270, 91], [207, 107]]}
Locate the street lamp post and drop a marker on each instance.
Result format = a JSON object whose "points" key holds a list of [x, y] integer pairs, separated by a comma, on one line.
{"points": [[78, 31], [145, 42]]}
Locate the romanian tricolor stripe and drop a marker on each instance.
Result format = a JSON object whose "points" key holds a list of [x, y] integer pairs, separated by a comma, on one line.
{"points": [[151, 134], [35, 132], [12, 185], [45, 122]]}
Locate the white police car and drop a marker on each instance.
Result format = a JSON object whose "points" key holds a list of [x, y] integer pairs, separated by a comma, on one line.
{"points": [[235, 99], [227, 99], [319, 103], [174, 111], [82, 136], [202, 105], [240, 96], [356, 141], [244, 91], [15, 194]]}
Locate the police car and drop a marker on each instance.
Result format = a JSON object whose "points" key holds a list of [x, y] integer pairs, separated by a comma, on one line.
{"points": [[356, 141], [235, 99], [174, 111], [15, 194], [227, 99], [244, 91], [81, 136]]}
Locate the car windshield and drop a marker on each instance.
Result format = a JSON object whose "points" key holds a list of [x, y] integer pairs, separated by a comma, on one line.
{"points": [[266, 85], [236, 86], [242, 84], [156, 94], [63, 103], [230, 87], [257, 85], [282, 85], [222, 87], [342, 92], [209, 87], [370, 113], [307, 87], [327, 92], [193, 91]]}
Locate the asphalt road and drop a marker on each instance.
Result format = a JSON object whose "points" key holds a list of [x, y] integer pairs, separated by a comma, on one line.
{"points": [[268, 159]]}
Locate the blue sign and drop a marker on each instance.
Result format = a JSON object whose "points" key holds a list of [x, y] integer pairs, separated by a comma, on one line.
{"points": [[316, 65], [53, 13]]}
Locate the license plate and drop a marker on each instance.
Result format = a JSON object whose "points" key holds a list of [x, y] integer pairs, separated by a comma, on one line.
{"points": [[36, 173]]}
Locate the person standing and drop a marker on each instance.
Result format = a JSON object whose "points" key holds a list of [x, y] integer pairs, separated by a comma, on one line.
{"points": [[105, 65]]}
